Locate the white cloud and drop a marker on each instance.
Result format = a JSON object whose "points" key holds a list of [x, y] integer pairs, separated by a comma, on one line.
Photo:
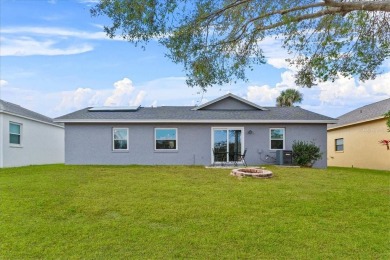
{"points": [[53, 32], [76, 99], [279, 63], [266, 95], [139, 98], [26, 46], [89, 1], [329, 98], [30, 40], [3, 83], [332, 99], [263, 95], [336, 97], [55, 104], [380, 85], [274, 53], [123, 94], [123, 89], [341, 90], [288, 80]]}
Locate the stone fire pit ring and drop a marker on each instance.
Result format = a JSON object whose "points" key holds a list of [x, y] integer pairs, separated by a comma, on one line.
{"points": [[251, 172]]}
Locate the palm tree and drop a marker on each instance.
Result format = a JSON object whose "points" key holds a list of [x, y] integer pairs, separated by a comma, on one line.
{"points": [[288, 97]]}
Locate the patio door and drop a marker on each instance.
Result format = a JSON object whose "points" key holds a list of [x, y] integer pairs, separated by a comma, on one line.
{"points": [[227, 143]]}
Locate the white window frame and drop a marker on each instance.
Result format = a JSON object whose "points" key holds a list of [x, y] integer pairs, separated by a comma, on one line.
{"points": [[335, 145], [113, 138], [20, 133], [227, 128], [166, 128], [284, 138]]}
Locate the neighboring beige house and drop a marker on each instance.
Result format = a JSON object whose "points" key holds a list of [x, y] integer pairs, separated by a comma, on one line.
{"points": [[354, 140]]}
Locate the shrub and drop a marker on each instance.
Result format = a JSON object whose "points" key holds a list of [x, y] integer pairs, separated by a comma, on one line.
{"points": [[305, 153], [387, 115]]}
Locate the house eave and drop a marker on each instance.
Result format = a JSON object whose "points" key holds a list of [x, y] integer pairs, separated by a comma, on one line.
{"points": [[355, 123], [200, 121], [30, 118]]}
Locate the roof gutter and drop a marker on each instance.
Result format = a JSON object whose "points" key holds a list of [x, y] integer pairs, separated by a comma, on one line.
{"points": [[201, 121], [355, 123]]}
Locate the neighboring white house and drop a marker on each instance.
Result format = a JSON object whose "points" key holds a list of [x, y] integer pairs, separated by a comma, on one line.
{"points": [[28, 138]]}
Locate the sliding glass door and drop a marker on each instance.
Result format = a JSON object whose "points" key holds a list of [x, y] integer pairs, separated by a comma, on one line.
{"points": [[227, 143]]}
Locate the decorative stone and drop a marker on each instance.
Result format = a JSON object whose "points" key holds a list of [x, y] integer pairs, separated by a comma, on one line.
{"points": [[251, 172]]}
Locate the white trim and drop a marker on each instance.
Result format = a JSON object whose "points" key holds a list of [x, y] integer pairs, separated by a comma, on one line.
{"points": [[20, 134], [196, 121], [232, 96], [355, 123], [33, 119], [127, 139], [227, 128], [284, 138], [166, 128]]}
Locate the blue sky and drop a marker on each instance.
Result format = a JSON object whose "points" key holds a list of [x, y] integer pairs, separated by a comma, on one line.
{"points": [[55, 59]]}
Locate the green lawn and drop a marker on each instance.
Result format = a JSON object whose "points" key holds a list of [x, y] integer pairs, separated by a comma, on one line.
{"points": [[59, 211]]}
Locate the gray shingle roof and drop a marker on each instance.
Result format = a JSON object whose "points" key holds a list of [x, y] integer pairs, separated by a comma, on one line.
{"points": [[365, 113], [12, 108], [185, 113]]}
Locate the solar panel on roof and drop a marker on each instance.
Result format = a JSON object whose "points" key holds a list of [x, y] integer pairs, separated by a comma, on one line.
{"points": [[114, 109]]}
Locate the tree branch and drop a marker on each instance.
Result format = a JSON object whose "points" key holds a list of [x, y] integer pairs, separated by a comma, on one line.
{"points": [[360, 5], [244, 28], [218, 12], [302, 18]]}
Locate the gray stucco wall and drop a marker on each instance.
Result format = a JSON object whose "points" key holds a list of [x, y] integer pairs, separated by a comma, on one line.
{"points": [[92, 143]]}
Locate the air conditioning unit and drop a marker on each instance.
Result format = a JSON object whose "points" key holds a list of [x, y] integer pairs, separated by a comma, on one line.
{"points": [[284, 157]]}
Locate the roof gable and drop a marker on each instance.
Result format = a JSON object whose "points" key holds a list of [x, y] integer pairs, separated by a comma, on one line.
{"points": [[229, 102]]}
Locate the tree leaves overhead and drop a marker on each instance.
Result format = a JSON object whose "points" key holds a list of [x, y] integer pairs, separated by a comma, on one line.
{"points": [[387, 115], [218, 40]]}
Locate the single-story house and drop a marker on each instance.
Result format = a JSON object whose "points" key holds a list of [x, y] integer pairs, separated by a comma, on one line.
{"points": [[355, 140], [28, 138], [188, 135]]}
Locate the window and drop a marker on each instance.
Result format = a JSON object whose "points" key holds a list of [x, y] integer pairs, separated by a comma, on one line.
{"points": [[277, 136], [166, 138], [120, 138], [339, 144], [14, 133]]}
